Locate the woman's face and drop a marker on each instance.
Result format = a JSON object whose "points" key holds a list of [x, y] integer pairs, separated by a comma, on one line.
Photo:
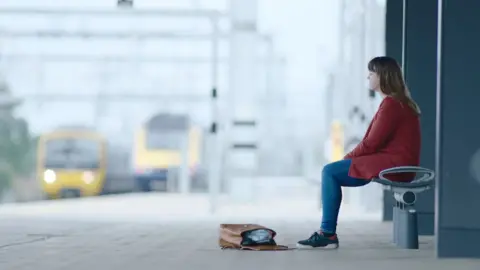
{"points": [[373, 81]]}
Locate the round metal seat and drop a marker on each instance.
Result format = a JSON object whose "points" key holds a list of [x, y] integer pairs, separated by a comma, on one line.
{"points": [[417, 185]]}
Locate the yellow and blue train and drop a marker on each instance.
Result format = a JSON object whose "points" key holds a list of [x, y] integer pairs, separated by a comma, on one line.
{"points": [[79, 161], [157, 150]]}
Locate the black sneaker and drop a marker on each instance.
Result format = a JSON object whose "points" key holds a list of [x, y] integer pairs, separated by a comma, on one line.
{"points": [[319, 240]]}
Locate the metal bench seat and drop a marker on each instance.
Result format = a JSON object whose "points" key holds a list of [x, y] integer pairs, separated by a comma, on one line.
{"points": [[405, 227]]}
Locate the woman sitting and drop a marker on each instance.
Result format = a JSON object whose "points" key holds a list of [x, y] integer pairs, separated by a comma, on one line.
{"points": [[392, 139]]}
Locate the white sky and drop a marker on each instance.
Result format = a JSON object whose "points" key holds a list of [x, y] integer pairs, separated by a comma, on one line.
{"points": [[305, 32]]}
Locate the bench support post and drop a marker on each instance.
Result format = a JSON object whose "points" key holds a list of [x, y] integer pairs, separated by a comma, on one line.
{"points": [[405, 221], [405, 226], [395, 222]]}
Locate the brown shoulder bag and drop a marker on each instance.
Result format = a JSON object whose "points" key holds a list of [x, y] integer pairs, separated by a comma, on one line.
{"points": [[248, 237]]}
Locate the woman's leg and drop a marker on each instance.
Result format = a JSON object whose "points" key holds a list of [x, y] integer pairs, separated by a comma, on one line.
{"points": [[335, 176]]}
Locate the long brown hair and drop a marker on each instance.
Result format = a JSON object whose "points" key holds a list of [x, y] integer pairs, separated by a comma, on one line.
{"points": [[391, 80]]}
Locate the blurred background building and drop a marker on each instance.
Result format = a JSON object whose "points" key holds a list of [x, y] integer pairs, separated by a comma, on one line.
{"points": [[292, 73]]}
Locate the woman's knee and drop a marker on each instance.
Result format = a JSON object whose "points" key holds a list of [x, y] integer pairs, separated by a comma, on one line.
{"points": [[328, 170], [328, 179]]}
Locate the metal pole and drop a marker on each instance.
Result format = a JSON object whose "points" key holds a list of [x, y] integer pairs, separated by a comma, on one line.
{"points": [[341, 36], [105, 35], [99, 104], [269, 115], [41, 80], [62, 12], [396, 210], [404, 32], [114, 58], [124, 95], [184, 169], [116, 34], [215, 144], [243, 101], [171, 180]]}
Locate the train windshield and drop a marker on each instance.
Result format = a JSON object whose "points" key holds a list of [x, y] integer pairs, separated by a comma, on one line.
{"points": [[164, 140], [72, 154], [166, 132]]}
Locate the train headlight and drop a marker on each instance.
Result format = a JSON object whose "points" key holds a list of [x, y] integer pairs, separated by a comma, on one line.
{"points": [[49, 176], [88, 177]]}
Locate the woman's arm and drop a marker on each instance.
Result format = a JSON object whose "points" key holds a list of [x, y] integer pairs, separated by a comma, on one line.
{"points": [[348, 156], [382, 127]]}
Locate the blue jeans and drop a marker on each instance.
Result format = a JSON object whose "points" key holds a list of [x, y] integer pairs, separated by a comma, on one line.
{"points": [[335, 176]]}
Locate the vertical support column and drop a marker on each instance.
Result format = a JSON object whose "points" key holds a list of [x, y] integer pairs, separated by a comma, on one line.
{"points": [[420, 69], [396, 208], [457, 158], [393, 48], [214, 156], [214, 140], [185, 181], [243, 99], [245, 158]]}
